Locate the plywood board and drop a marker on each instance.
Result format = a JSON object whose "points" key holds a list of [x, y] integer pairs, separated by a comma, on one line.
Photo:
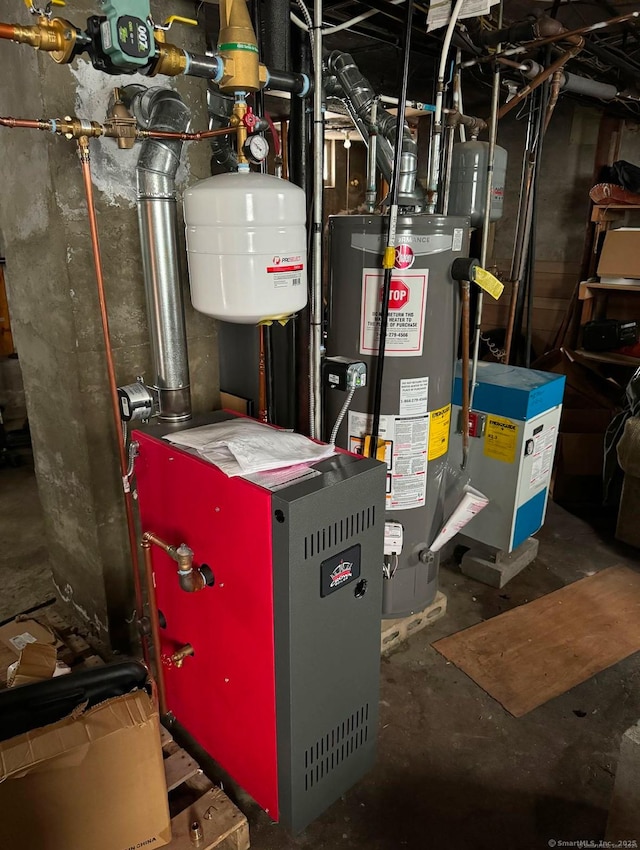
{"points": [[6, 339], [527, 656]]}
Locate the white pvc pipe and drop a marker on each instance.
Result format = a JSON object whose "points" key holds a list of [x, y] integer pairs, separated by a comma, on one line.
{"points": [[434, 171]]}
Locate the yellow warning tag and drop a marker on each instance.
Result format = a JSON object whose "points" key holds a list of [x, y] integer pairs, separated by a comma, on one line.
{"points": [[439, 432], [488, 282], [381, 449], [501, 439]]}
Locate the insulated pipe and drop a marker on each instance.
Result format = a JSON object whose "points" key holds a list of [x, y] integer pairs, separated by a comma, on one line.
{"points": [[358, 96], [163, 110], [275, 33], [565, 35], [299, 156], [546, 73], [315, 312], [572, 83]]}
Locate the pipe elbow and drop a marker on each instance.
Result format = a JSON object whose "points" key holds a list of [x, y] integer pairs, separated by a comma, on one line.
{"points": [[191, 580]]}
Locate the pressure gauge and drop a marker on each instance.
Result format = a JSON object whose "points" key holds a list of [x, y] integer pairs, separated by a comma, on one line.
{"points": [[256, 149]]}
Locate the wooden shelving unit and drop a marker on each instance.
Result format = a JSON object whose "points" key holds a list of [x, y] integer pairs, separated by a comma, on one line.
{"points": [[593, 296], [609, 357]]}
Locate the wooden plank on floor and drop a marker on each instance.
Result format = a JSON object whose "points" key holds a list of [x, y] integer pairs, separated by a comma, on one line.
{"points": [[527, 656], [178, 768], [223, 824]]}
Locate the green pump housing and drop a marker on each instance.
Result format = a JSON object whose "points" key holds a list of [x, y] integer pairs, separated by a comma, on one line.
{"points": [[127, 34]]}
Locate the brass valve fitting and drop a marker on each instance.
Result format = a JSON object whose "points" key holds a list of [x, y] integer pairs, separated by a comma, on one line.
{"points": [[171, 60], [238, 48], [76, 128], [56, 36], [178, 657], [120, 124]]}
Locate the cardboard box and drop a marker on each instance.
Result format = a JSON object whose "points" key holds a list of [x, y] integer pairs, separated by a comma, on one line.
{"points": [[37, 663], [620, 255], [14, 636], [93, 781]]}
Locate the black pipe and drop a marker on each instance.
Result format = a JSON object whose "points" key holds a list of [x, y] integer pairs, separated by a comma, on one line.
{"points": [[395, 190], [525, 294], [299, 84], [299, 137]]}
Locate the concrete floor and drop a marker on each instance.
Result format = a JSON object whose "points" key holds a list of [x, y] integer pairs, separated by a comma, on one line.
{"points": [[454, 770]]}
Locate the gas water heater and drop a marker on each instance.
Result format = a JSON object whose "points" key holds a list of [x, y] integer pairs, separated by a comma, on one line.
{"points": [[421, 348], [280, 683]]}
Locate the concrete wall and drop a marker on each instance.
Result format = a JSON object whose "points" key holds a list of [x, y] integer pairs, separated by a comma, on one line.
{"points": [[562, 216], [565, 180], [54, 309]]}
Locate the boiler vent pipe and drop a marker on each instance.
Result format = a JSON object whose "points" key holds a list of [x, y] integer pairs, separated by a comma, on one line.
{"points": [[162, 109], [358, 96]]}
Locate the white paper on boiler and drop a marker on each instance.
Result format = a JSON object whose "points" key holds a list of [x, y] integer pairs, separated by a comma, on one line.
{"points": [[471, 503], [244, 446]]}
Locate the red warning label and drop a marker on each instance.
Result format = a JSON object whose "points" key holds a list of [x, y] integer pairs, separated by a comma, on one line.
{"points": [[404, 257], [285, 264]]}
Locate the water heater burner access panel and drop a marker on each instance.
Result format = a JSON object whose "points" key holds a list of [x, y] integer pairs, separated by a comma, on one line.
{"points": [[282, 687]]}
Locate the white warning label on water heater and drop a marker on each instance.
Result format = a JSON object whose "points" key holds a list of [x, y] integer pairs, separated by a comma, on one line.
{"points": [[405, 441], [414, 396], [407, 309]]}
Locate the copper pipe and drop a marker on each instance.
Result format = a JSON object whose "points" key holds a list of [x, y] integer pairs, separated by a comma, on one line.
{"points": [[465, 287], [85, 163], [151, 538], [7, 31], [107, 129], [571, 36], [154, 622], [190, 578], [568, 35], [547, 72], [556, 84], [284, 141], [28, 123], [263, 414], [510, 63], [185, 137], [515, 286]]}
